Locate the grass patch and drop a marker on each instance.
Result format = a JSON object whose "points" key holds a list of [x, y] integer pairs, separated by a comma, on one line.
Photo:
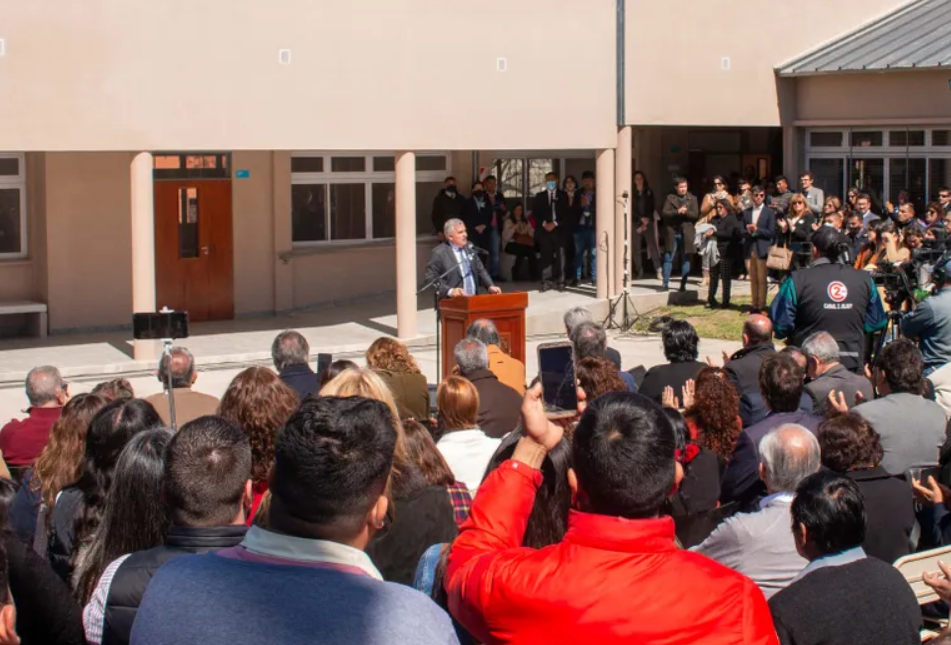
{"points": [[725, 324]]}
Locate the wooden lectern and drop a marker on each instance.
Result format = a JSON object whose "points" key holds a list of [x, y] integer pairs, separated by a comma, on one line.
{"points": [[506, 310]]}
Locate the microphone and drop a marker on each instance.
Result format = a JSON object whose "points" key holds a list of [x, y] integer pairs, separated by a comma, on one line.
{"points": [[624, 195], [473, 248]]}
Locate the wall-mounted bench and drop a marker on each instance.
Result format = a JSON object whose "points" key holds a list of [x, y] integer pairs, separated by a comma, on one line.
{"points": [[37, 310]]}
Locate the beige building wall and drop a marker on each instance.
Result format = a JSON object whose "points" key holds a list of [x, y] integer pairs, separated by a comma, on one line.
{"points": [[674, 63], [872, 98], [371, 75], [253, 230], [88, 239]]}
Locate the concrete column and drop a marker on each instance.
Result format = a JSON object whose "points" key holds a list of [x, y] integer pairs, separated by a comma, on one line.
{"points": [[143, 247], [604, 217], [622, 181], [406, 324], [792, 159], [283, 242]]}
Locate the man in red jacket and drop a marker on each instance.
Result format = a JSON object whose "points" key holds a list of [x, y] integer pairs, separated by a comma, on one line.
{"points": [[617, 576]]}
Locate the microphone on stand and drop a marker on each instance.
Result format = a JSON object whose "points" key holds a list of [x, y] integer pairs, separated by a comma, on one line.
{"points": [[475, 249]]}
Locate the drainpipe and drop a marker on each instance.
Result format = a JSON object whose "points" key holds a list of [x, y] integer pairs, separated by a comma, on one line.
{"points": [[619, 63]]}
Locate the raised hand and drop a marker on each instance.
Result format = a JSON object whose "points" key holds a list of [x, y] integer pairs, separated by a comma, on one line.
{"points": [[669, 399], [689, 392], [837, 401]]}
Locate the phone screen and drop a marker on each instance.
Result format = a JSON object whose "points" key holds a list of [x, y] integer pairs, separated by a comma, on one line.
{"points": [[323, 362], [557, 369], [156, 326]]}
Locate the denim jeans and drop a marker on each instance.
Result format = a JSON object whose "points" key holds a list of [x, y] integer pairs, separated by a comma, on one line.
{"points": [[584, 241], [669, 259], [494, 252]]}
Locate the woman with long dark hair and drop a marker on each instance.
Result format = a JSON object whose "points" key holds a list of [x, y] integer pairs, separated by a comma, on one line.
{"points": [[422, 451], [335, 368], [644, 225], [134, 517], [58, 465], [78, 511], [727, 233], [260, 403], [699, 490]]}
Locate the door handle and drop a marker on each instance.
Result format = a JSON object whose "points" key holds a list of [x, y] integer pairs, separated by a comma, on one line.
{"points": [[205, 250]]}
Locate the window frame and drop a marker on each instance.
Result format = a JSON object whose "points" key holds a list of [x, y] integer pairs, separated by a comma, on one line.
{"points": [[18, 182], [366, 177], [886, 152]]}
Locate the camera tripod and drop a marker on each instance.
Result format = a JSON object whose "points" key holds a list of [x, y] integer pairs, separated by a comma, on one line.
{"points": [[623, 303]]}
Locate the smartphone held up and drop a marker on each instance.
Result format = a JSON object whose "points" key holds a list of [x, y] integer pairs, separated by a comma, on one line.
{"points": [[556, 370]]}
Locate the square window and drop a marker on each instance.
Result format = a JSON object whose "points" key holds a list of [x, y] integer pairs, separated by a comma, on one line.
{"points": [[9, 167], [384, 164], [906, 138], [941, 137], [867, 138], [825, 139], [307, 164], [430, 162], [348, 164]]}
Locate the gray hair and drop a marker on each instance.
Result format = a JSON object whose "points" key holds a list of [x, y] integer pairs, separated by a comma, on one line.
{"points": [[789, 454], [821, 346], [289, 348], [471, 355], [590, 340], [575, 316], [451, 225], [182, 368], [484, 330], [43, 385]]}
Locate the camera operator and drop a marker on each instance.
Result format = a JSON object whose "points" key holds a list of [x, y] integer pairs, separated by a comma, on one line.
{"points": [[829, 296], [930, 322]]}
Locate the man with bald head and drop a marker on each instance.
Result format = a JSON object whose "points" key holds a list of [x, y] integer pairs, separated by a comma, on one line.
{"points": [[761, 545], [22, 441], [189, 405], [742, 369]]}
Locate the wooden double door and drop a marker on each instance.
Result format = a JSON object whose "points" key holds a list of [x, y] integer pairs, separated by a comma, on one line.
{"points": [[194, 252]]}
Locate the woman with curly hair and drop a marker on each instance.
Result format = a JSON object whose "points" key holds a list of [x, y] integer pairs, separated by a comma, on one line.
{"points": [[852, 447], [598, 376], [421, 512], [260, 403], [714, 414], [58, 466], [391, 360]]}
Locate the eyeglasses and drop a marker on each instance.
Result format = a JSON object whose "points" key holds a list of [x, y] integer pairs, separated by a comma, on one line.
{"points": [[718, 183], [759, 194]]}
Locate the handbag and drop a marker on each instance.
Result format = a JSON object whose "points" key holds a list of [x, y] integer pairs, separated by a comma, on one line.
{"points": [[779, 258]]}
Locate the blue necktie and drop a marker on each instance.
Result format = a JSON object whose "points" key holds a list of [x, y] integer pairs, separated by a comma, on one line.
{"points": [[467, 274]]}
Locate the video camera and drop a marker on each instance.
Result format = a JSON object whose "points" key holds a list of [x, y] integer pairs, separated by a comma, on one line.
{"points": [[904, 283]]}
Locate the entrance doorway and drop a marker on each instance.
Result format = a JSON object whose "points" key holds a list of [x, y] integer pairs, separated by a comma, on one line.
{"points": [[194, 269]]}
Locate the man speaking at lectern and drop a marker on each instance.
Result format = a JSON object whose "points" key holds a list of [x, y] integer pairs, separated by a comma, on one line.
{"points": [[457, 253]]}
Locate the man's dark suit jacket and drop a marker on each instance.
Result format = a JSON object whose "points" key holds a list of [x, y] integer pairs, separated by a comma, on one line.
{"points": [[541, 209], [500, 407], [442, 259], [301, 379], [741, 482], [759, 242]]}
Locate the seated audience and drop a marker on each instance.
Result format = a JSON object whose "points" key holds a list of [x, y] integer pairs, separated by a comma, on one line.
{"points": [[424, 454], [826, 374], [291, 355], [422, 513], [590, 341], [260, 403], [188, 403], [912, 428], [842, 597], [510, 371], [781, 386], [79, 506], [391, 360], [713, 416], [36, 607], [335, 368], [58, 466], [699, 490], [851, 447], [499, 405], [598, 376], [616, 576], [21, 442], [742, 368], [206, 491], [681, 343], [134, 517], [577, 315], [117, 388], [760, 545], [464, 446], [328, 499]]}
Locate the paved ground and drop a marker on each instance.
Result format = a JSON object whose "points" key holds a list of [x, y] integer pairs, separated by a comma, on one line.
{"points": [[224, 348]]}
